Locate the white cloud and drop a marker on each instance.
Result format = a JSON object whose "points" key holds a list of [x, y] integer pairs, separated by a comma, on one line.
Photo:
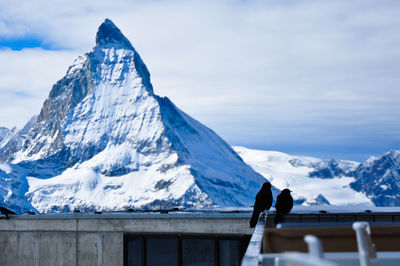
{"points": [[261, 72], [26, 78]]}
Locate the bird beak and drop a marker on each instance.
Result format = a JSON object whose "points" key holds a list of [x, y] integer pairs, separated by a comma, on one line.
{"points": [[272, 185], [290, 190]]}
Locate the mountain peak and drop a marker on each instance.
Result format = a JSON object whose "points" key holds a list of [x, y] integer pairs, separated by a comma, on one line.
{"points": [[107, 142], [109, 35], [394, 155]]}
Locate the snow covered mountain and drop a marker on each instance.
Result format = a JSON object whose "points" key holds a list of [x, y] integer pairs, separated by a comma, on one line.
{"points": [[104, 141], [313, 181], [335, 182], [379, 179]]}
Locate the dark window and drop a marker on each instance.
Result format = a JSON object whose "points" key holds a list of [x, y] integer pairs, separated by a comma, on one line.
{"points": [[184, 250], [229, 252], [198, 252], [135, 251], [162, 251]]}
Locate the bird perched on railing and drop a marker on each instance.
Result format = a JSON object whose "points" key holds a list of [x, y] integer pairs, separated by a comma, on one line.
{"points": [[283, 205], [6, 211], [263, 202], [284, 202]]}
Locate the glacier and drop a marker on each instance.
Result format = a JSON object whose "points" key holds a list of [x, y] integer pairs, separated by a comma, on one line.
{"points": [[103, 141], [299, 174], [375, 182]]}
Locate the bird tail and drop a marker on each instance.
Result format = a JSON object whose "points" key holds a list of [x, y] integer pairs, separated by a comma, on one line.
{"points": [[279, 218], [254, 219]]}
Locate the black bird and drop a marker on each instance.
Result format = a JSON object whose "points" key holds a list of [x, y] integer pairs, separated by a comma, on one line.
{"points": [[284, 202], [6, 211], [263, 202]]}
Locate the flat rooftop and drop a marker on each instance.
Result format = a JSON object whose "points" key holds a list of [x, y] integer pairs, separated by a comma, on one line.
{"points": [[209, 213], [115, 238]]}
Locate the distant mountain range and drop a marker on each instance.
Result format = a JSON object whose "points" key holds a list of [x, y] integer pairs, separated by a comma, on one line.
{"points": [[104, 140], [335, 182]]}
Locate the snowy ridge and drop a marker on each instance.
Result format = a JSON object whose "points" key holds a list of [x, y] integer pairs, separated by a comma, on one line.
{"points": [[5, 135], [13, 140], [3, 132], [218, 170], [296, 173], [379, 178], [13, 184]]}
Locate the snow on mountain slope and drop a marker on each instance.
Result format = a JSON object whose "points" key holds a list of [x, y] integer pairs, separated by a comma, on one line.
{"points": [[296, 173], [13, 139], [3, 132], [104, 141], [217, 168], [5, 135], [379, 178], [13, 184]]}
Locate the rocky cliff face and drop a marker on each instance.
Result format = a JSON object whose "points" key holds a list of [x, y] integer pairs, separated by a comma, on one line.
{"points": [[379, 179], [4, 132], [104, 141]]}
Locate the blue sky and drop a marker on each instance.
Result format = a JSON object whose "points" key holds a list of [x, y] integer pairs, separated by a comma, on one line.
{"points": [[21, 43], [318, 78]]}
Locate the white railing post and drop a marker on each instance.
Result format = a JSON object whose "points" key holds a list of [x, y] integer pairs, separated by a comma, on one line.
{"points": [[366, 249], [314, 246]]}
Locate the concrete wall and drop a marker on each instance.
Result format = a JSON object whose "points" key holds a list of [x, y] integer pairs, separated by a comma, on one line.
{"points": [[97, 239], [61, 248]]}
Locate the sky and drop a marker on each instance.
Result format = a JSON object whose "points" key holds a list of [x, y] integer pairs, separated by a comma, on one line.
{"points": [[316, 78]]}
